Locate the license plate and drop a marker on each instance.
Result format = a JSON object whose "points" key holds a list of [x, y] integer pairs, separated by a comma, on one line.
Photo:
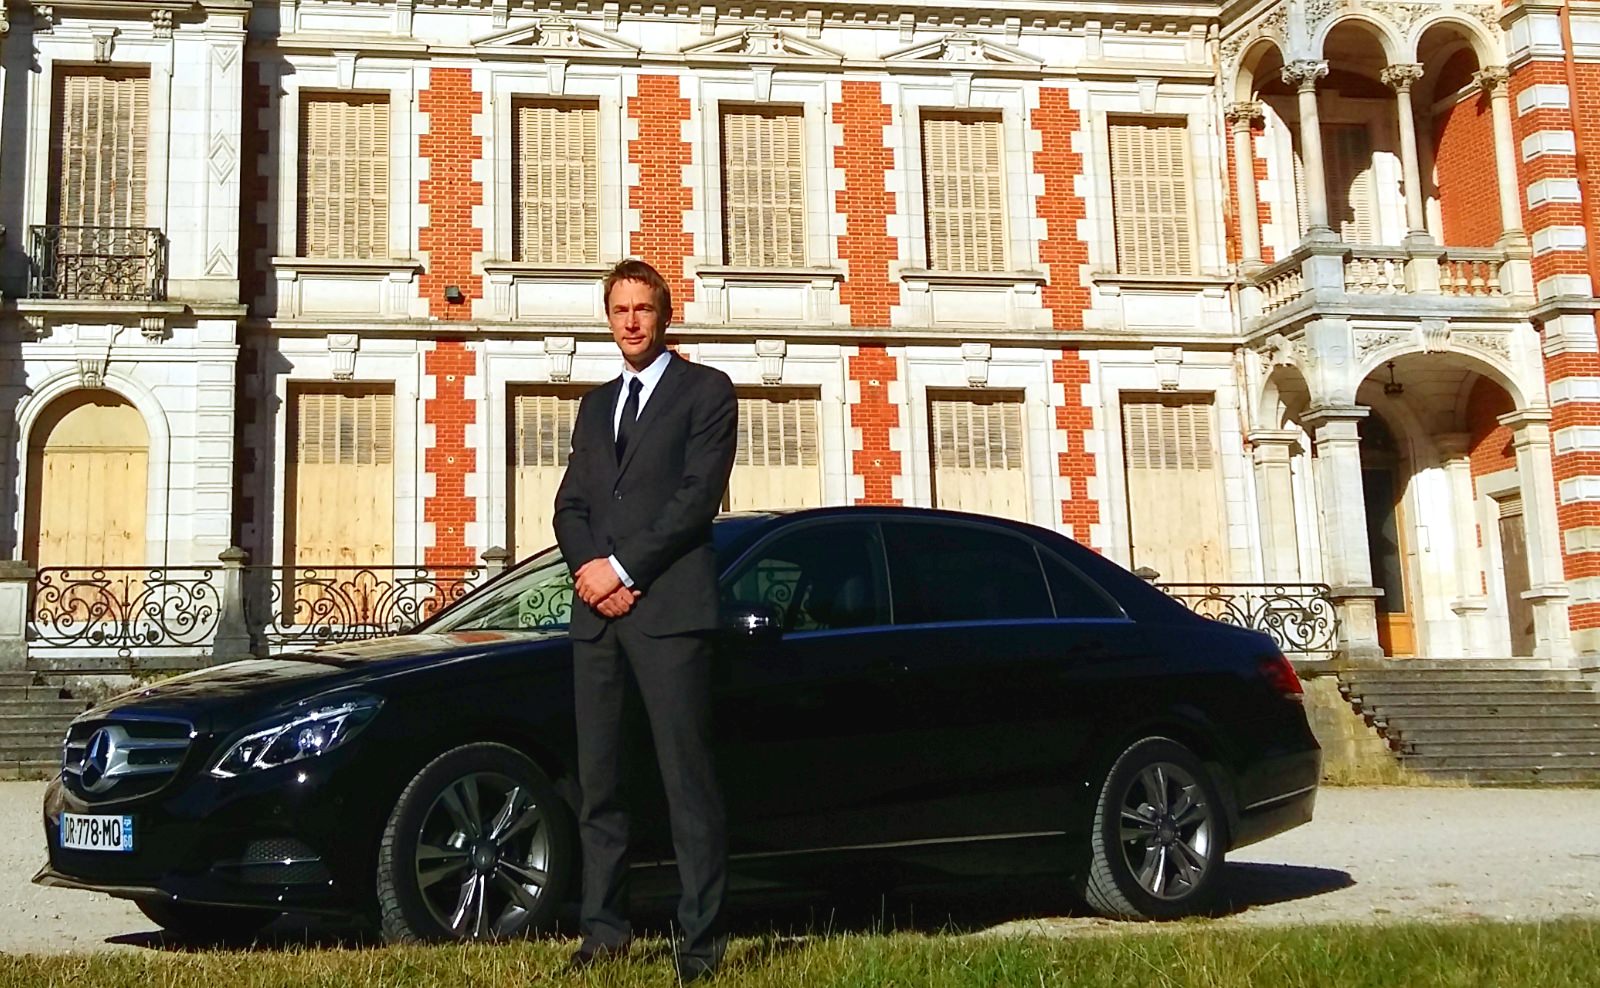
{"points": [[96, 833]]}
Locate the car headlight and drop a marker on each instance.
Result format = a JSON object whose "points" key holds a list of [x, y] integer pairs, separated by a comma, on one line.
{"points": [[294, 737]]}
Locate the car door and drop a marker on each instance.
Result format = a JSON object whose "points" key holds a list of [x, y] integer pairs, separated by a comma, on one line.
{"points": [[805, 724], [1001, 653]]}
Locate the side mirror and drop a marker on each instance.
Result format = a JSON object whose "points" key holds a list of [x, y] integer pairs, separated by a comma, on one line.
{"points": [[754, 621]]}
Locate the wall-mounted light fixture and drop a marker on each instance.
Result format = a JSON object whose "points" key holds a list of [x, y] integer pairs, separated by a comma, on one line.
{"points": [[452, 294], [1394, 388]]}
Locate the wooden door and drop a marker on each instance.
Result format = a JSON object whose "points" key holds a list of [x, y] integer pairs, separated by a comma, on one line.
{"points": [[778, 463], [1177, 525], [541, 439], [976, 448], [1387, 548], [1514, 570]]}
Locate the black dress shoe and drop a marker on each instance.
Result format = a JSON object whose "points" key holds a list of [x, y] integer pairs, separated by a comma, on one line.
{"points": [[590, 954]]}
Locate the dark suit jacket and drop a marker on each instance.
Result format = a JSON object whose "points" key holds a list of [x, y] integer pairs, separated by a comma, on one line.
{"points": [[652, 511]]}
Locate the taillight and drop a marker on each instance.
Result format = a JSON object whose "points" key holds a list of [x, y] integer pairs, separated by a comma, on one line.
{"points": [[1280, 675]]}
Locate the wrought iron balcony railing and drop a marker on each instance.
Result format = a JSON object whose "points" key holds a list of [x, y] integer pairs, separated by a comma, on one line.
{"points": [[1300, 617], [105, 263]]}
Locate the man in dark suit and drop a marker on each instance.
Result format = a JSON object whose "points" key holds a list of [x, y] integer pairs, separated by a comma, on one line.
{"points": [[651, 455]]}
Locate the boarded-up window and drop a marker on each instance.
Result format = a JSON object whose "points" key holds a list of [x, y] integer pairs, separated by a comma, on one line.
{"points": [[1352, 186], [777, 464], [344, 177], [342, 470], [963, 170], [976, 446], [1150, 197], [556, 174], [87, 477], [1176, 522], [541, 439], [98, 146], [763, 187]]}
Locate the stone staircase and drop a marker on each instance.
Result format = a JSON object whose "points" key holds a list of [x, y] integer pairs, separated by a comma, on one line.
{"points": [[1487, 721], [33, 718]]}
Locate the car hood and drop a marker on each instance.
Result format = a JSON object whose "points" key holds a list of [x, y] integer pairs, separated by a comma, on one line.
{"points": [[216, 697]]}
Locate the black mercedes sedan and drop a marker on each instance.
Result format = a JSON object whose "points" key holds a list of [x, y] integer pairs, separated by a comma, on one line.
{"points": [[967, 695]]}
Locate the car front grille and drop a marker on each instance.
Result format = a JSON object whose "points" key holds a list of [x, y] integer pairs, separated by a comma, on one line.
{"points": [[119, 758]]}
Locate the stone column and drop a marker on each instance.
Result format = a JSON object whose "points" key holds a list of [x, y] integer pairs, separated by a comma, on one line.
{"points": [[1347, 560], [1547, 589], [1400, 78], [15, 579], [1469, 603], [232, 640], [1242, 117], [1496, 82], [1303, 75], [1272, 450]]}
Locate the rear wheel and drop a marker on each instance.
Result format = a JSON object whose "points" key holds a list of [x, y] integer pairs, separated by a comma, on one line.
{"points": [[1159, 837], [479, 847], [206, 923]]}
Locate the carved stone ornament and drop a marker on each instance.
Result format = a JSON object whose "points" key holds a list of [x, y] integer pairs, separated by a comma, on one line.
{"points": [[1433, 336], [92, 369], [1493, 80], [977, 357], [342, 349], [103, 40], [44, 18], [153, 328], [559, 350], [36, 325], [1305, 72], [1280, 351], [1495, 344], [1245, 112], [1169, 360], [1318, 11], [771, 353], [1401, 77], [1370, 342], [161, 22]]}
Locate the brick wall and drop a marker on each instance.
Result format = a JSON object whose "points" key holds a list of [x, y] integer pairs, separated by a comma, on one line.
{"points": [[661, 197], [1064, 253], [865, 202], [255, 190], [873, 369], [1469, 194], [450, 242]]}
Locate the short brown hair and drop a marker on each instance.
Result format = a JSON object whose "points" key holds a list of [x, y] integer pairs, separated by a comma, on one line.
{"points": [[633, 269]]}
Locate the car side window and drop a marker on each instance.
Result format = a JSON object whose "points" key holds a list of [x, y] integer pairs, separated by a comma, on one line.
{"points": [[964, 573], [1075, 596], [819, 578]]}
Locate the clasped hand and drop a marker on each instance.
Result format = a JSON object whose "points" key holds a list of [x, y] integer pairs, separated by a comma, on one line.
{"points": [[597, 584]]}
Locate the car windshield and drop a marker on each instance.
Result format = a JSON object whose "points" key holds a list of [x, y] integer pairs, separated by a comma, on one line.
{"points": [[536, 596]]}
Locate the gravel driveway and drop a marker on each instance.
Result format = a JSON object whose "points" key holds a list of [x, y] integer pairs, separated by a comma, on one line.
{"points": [[1371, 855]]}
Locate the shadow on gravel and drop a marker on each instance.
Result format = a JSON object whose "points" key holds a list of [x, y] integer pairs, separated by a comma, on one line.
{"points": [[972, 907]]}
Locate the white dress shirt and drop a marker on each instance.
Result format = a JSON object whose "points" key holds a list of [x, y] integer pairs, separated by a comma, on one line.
{"points": [[648, 379]]}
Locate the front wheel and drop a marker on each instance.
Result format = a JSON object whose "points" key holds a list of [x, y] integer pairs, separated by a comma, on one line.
{"points": [[479, 847], [222, 924], [1157, 846]]}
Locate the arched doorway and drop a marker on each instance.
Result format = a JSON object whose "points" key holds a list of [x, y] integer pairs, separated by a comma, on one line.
{"points": [[1384, 473], [88, 469]]}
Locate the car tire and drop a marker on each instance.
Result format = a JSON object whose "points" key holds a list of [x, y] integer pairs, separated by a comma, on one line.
{"points": [[206, 924], [1159, 836], [479, 846]]}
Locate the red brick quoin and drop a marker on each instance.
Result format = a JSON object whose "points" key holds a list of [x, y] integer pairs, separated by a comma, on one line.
{"points": [[661, 197]]}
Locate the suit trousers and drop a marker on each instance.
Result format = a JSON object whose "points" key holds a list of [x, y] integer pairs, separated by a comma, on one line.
{"points": [[673, 674]]}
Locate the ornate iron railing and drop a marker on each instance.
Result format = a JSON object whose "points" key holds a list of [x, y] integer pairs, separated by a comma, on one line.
{"points": [[1300, 617], [316, 605], [110, 263], [124, 608]]}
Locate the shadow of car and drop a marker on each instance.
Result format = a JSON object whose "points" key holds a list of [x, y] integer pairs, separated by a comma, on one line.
{"points": [[927, 692]]}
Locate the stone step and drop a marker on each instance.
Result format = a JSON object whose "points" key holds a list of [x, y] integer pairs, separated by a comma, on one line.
{"points": [[1489, 698], [1454, 735], [1364, 676], [1478, 721], [1546, 747], [1503, 761], [1403, 712], [35, 769], [16, 677], [16, 694], [37, 723], [23, 750], [50, 705], [1560, 776], [1451, 664]]}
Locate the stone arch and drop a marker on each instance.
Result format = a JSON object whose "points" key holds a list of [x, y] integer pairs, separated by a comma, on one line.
{"points": [[1284, 394], [1380, 28], [31, 413], [1473, 32], [1497, 371], [1263, 52]]}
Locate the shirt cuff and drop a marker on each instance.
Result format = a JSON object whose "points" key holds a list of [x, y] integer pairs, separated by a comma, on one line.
{"points": [[622, 574]]}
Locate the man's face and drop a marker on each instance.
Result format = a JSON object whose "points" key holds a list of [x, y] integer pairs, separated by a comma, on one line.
{"points": [[637, 323]]}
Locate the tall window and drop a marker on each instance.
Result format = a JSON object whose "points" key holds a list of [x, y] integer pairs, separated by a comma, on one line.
{"points": [[1150, 197], [963, 169], [1351, 185], [556, 175], [1175, 513], [344, 177], [98, 146], [976, 447], [540, 443], [764, 187], [777, 463], [341, 471]]}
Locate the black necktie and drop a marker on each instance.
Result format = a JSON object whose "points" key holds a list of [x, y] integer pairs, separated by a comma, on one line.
{"points": [[630, 416]]}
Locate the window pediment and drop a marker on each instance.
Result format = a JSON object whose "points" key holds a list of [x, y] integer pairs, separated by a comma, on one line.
{"points": [[556, 36], [762, 42], [963, 49]]}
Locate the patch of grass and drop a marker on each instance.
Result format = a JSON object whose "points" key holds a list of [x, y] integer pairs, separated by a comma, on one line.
{"points": [[1199, 954]]}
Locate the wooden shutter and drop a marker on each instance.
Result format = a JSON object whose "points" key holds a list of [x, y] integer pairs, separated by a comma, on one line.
{"points": [[344, 177], [977, 455], [100, 147], [88, 470], [964, 172], [777, 464], [1176, 521], [556, 175], [542, 438], [1352, 188], [1150, 197], [343, 478], [763, 187]]}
